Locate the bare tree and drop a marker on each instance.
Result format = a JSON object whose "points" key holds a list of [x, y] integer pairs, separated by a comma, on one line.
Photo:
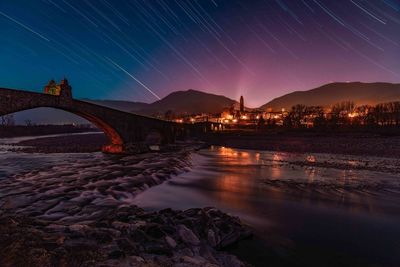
{"points": [[7, 120]]}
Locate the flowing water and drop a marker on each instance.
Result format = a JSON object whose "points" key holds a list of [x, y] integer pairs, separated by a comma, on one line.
{"points": [[306, 209]]}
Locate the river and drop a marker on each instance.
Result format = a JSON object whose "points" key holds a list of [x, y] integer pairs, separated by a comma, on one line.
{"points": [[306, 209]]}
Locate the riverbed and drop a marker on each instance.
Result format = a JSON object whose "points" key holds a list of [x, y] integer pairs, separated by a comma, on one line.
{"points": [[307, 209]]}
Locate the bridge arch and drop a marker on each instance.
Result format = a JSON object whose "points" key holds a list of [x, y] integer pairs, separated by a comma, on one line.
{"points": [[126, 132], [116, 142]]}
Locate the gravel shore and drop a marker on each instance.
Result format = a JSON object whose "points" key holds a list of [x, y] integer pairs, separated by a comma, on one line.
{"points": [[63, 144], [350, 144]]}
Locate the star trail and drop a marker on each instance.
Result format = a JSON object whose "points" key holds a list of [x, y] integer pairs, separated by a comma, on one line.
{"points": [[142, 50]]}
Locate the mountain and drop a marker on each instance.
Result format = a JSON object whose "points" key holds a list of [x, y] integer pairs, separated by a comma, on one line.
{"points": [[180, 102], [329, 94], [189, 102]]}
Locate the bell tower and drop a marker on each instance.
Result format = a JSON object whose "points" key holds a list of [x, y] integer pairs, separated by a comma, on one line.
{"points": [[241, 104], [66, 89]]}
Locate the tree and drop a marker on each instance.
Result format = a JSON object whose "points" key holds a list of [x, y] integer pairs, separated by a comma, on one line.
{"points": [[261, 122], [169, 115], [340, 112], [7, 120], [297, 114], [318, 115]]}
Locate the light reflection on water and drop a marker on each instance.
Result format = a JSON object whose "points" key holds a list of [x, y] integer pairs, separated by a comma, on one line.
{"points": [[334, 202]]}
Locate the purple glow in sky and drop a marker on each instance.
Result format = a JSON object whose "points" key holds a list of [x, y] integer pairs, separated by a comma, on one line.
{"points": [[142, 50]]}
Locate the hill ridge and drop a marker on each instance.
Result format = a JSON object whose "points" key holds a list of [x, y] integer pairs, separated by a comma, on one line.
{"points": [[331, 93]]}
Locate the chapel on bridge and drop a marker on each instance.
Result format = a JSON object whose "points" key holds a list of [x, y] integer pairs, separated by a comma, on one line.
{"points": [[63, 89]]}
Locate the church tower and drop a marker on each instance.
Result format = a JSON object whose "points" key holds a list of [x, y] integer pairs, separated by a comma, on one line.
{"points": [[241, 104], [66, 89]]}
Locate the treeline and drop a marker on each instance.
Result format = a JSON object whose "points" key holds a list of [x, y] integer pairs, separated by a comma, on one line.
{"points": [[34, 130], [344, 114]]}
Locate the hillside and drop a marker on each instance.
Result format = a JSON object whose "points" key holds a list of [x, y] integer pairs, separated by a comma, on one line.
{"points": [[329, 94], [181, 102], [189, 102]]}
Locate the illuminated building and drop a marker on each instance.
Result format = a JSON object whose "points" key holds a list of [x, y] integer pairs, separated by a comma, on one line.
{"points": [[52, 88], [63, 89]]}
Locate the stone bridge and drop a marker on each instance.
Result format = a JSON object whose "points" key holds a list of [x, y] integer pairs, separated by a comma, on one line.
{"points": [[127, 132]]}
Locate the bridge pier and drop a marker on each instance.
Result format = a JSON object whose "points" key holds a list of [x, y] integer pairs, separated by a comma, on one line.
{"points": [[112, 149]]}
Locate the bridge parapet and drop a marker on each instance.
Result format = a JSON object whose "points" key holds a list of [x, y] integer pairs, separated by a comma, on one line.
{"points": [[126, 131]]}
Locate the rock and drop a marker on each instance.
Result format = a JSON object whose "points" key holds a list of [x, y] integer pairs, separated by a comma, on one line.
{"points": [[139, 236], [212, 239], [186, 252], [194, 261], [78, 228], [123, 227], [155, 231], [116, 254], [229, 239], [101, 236], [136, 259], [187, 235], [127, 246], [192, 212], [231, 261], [170, 241], [157, 248]]}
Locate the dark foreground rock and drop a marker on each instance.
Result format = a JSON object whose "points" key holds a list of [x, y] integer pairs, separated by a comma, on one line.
{"points": [[128, 236]]}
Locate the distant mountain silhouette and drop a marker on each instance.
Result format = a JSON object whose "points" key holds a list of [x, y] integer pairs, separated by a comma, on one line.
{"points": [[329, 94], [180, 102], [188, 102], [195, 102]]}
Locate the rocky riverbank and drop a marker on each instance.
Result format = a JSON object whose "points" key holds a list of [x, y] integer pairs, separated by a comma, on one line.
{"points": [[128, 236], [76, 143], [37, 130], [75, 209]]}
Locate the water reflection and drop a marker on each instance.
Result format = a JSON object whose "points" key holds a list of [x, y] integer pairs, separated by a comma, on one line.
{"points": [[323, 199], [333, 203]]}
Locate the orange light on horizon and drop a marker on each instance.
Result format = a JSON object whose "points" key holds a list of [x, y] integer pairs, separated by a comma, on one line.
{"points": [[352, 115]]}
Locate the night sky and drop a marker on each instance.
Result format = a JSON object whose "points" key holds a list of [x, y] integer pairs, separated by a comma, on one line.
{"points": [[142, 50]]}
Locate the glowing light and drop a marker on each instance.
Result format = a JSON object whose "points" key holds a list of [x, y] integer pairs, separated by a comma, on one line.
{"points": [[352, 115]]}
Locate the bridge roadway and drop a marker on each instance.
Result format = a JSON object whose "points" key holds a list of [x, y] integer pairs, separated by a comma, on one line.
{"points": [[127, 132]]}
